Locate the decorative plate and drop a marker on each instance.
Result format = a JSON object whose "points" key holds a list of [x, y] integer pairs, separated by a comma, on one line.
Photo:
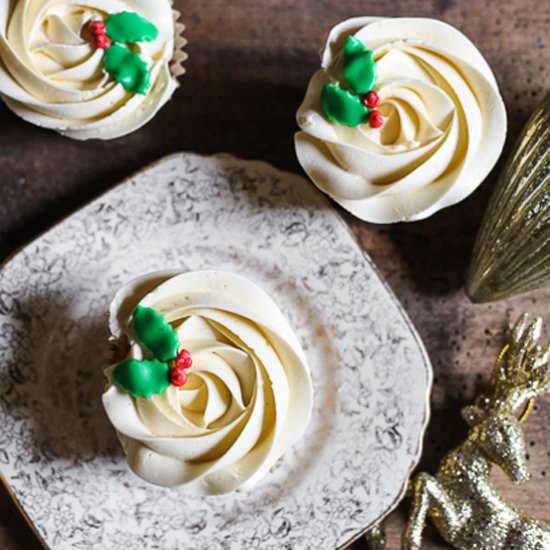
{"points": [[59, 456]]}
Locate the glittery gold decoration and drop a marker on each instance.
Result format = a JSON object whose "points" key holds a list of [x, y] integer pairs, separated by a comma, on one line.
{"points": [[460, 499], [376, 538], [512, 250]]}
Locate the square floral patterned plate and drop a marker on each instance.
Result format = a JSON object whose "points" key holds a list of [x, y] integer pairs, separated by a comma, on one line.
{"points": [[60, 458]]}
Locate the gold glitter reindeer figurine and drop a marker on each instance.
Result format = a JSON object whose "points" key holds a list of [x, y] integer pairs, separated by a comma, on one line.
{"points": [[460, 499]]}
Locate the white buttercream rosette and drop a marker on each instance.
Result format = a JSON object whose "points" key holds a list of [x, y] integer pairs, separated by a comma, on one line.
{"points": [[444, 122], [248, 395], [51, 74]]}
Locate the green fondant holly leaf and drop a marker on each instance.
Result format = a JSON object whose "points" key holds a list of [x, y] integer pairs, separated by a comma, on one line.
{"points": [[155, 333], [342, 106], [142, 378], [358, 66], [127, 68], [127, 27]]}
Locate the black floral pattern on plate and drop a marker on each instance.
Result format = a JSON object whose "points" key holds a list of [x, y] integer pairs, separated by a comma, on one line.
{"points": [[371, 375]]}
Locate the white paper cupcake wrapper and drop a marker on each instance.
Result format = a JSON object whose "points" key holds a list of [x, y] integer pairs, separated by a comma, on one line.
{"points": [[176, 64]]}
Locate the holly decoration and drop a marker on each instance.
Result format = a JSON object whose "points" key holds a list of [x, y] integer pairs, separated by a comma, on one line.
{"points": [[142, 378], [155, 333], [148, 377], [124, 65], [356, 105]]}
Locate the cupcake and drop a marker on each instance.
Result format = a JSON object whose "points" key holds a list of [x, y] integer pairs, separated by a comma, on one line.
{"points": [[95, 69], [404, 118], [211, 385]]}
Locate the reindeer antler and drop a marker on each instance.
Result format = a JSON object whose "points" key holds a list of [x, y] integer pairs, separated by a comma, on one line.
{"points": [[524, 372]]}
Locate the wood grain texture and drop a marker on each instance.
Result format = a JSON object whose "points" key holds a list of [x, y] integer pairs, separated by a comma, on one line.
{"points": [[249, 64]]}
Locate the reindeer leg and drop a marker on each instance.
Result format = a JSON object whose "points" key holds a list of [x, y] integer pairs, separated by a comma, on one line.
{"points": [[429, 497]]}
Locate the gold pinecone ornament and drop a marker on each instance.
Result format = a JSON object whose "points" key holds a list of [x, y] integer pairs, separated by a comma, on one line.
{"points": [[512, 250]]}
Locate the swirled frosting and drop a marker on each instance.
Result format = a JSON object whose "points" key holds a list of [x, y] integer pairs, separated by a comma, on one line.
{"points": [[248, 395], [444, 122], [51, 74]]}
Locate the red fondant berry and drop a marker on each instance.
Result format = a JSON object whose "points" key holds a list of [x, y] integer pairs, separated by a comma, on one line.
{"points": [[178, 377], [102, 42], [183, 360], [371, 100], [375, 119], [98, 27]]}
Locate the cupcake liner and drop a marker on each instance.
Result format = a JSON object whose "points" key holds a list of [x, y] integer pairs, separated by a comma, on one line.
{"points": [[179, 57], [117, 351]]}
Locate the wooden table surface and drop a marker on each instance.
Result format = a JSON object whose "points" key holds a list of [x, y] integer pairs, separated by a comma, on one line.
{"points": [[249, 63]]}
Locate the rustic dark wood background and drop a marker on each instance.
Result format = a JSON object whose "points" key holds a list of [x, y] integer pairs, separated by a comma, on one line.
{"points": [[249, 64]]}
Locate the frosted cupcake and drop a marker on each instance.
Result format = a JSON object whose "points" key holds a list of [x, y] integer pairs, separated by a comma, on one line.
{"points": [[213, 386], [403, 119], [94, 69]]}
